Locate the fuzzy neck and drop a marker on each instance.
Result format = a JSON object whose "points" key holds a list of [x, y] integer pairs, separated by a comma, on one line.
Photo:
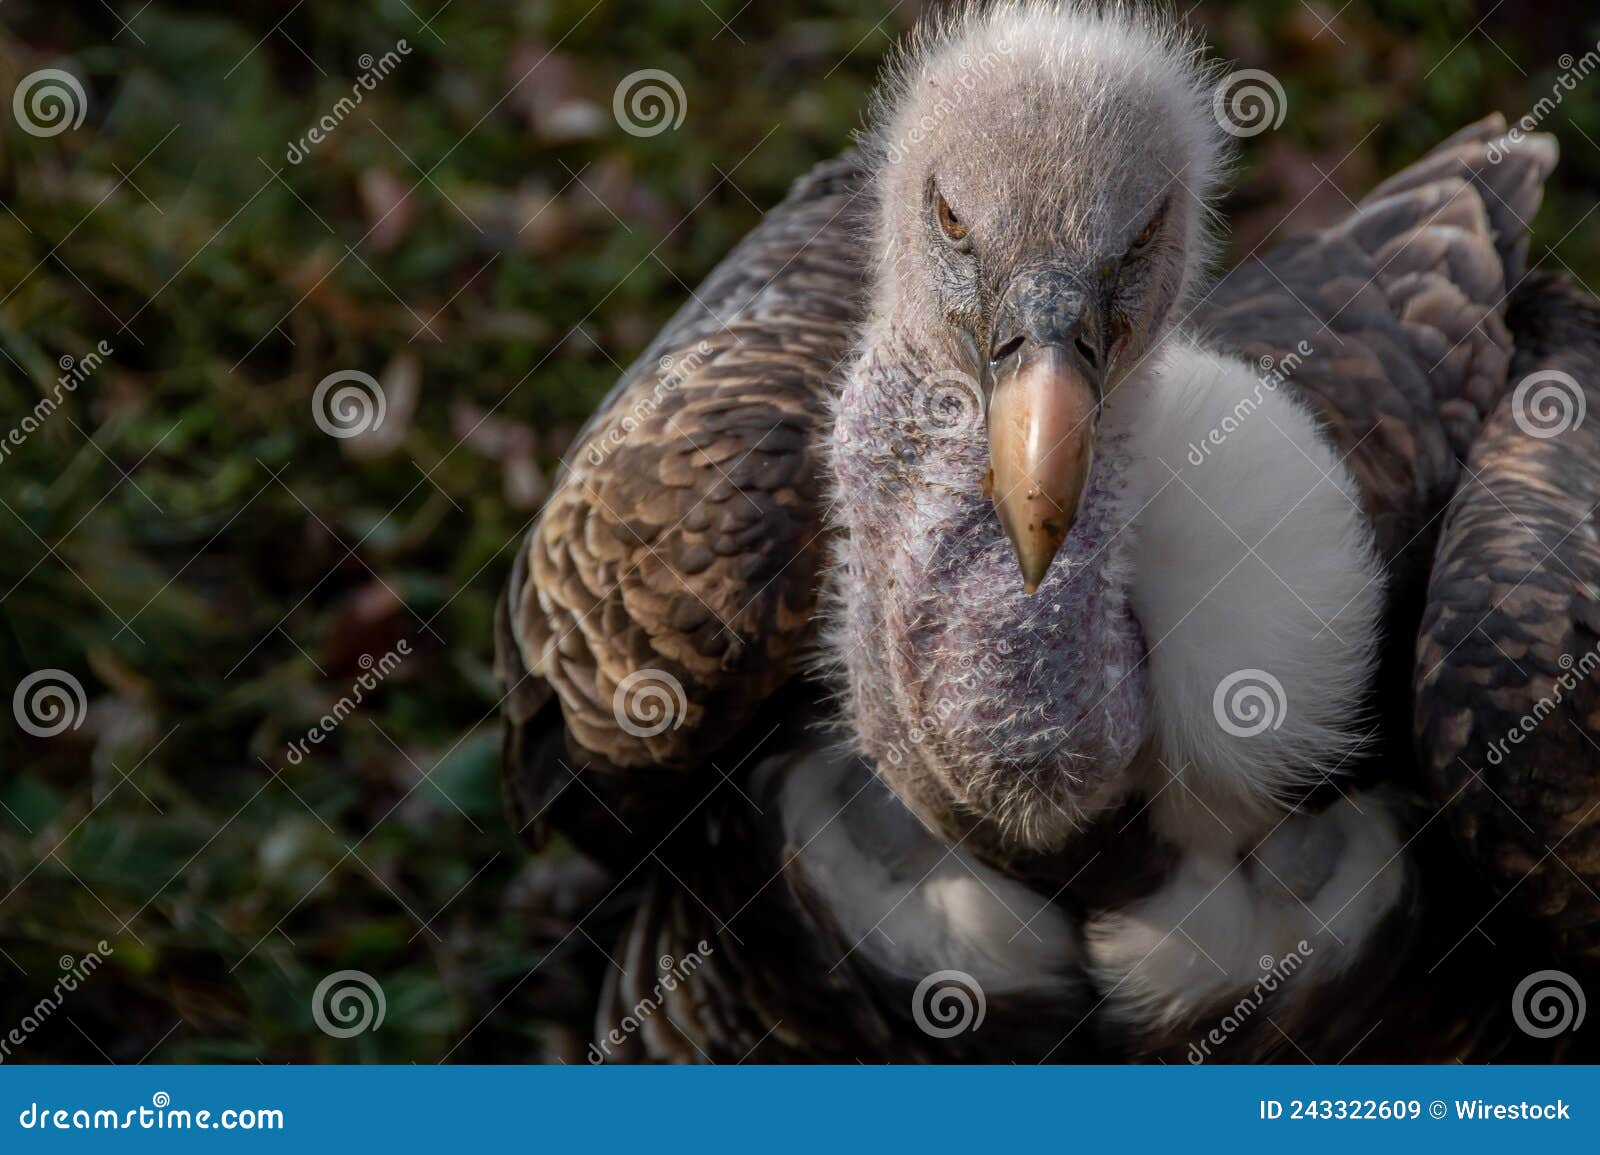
{"points": [[1218, 614], [975, 699]]}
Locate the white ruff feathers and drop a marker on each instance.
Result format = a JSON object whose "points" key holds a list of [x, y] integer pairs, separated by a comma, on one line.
{"points": [[1254, 576]]}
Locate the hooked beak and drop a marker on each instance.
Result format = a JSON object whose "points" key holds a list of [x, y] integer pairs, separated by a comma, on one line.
{"points": [[1048, 366]]}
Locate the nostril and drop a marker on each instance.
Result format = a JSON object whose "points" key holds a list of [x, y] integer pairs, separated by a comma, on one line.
{"points": [[1005, 350], [1087, 351]]}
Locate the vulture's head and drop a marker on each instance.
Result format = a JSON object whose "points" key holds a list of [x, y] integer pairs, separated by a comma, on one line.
{"points": [[1042, 182], [1042, 178]]}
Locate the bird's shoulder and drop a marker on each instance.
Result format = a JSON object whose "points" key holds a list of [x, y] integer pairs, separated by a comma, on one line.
{"points": [[1508, 699], [1392, 321], [666, 589]]}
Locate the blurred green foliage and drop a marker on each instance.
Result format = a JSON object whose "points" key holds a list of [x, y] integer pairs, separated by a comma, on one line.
{"points": [[479, 235]]}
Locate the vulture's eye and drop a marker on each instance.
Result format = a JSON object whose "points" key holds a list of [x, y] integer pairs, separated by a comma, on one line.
{"points": [[948, 221], [1148, 233]]}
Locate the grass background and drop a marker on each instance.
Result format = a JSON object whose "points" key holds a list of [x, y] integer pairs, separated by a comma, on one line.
{"points": [[480, 236]]}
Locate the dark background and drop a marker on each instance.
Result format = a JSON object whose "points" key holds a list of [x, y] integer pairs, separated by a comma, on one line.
{"points": [[482, 237]]}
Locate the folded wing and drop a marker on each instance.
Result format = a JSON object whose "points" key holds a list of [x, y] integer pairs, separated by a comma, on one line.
{"points": [[667, 588]]}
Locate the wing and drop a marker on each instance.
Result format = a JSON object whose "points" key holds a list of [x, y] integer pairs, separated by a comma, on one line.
{"points": [[1391, 323], [1422, 322], [667, 589], [1508, 705]]}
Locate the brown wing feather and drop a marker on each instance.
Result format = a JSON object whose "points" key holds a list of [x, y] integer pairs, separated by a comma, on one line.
{"points": [[1508, 705], [678, 556], [1402, 304], [634, 563]]}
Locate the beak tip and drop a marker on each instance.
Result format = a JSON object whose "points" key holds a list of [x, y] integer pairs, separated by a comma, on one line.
{"points": [[1034, 570], [1041, 447], [1035, 544]]}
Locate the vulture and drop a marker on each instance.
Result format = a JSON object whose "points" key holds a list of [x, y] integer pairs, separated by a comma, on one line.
{"points": [[974, 631]]}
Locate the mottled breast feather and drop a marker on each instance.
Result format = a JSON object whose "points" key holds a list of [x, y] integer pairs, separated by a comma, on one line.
{"points": [[1508, 673], [681, 547]]}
